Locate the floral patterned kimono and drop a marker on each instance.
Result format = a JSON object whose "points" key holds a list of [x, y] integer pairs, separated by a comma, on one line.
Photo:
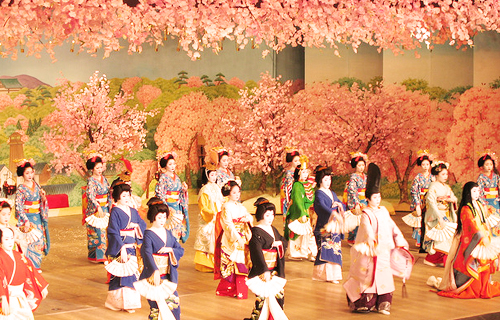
{"points": [[167, 265], [418, 191], [170, 192], [230, 259], [286, 191], [97, 194], [127, 231], [467, 277], [489, 195], [356, 188], [29, 207], [328, 263], [223, 176], [21, 284], [210, 202], [370, 282]]}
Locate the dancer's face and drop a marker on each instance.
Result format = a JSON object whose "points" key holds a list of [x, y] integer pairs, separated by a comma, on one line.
{"points": [[488, 166], [426, 165], [28, 174], [295, 161], [161, 219], [235, 193], [268, 218], [442, 176], [360, 167], [5, 216], [171, 165], [475, 193], [375, 200], [224, 162], [99, 168], [212, 176], [7, 239], [326, 182]]}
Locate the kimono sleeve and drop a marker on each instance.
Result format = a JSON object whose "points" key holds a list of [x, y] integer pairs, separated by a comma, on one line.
{"points": [[207, 207], [256, 245], [115, 242], [21, 216], [228, 225], [161, 188], [352, 193], [415, 194]]}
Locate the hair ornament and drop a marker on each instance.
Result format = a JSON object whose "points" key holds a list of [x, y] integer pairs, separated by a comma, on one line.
{"points": [[438, 163], [210, 166], [23, 162], [318, 169], [155, 203], [488, 153], [357, 155], [5, 200], [166, 154], [227, 186], [423, 153], [304, 162], [262, 202], [92, 155]]}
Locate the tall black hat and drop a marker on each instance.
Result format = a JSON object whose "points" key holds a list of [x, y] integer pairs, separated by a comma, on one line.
{"points": [[372, 180]]}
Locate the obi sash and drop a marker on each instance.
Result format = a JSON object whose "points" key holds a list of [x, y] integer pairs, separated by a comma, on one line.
{"points": [[444, 207], [172, 196], [423, 191], [361, 193], [16, 291], [490, 193], [271, 257], [32, 206], [102, 199], [162, 262], [132, 231]]}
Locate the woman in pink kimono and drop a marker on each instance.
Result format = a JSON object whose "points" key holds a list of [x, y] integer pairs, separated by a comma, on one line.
{"points": [[370, 283]]}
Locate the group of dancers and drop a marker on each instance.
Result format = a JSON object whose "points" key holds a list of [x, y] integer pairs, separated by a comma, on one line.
{"points": [[245, 255]]}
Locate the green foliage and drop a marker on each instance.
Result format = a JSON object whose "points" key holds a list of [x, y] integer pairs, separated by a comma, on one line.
{"points": [[136, 189], [36, 141], [18, 125], [389, 190], [59, 179], [144, 154], [495, 84], [457, 189], [222, 90], [436, 93], [349, 81], [375, 82], [75, 196], [415, 84], [457, 91]]}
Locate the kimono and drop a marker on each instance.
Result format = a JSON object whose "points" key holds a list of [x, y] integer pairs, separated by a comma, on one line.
{"points": [[230, 259], [328, 263], [467, 277], [301, 243], [266, 258], [418, 191], [223, 176], [166, 264], [286, 191], [170, 192], [210, 202], [21, 284], [30, 207], [356, 188], [370, 282], [435, 210], [489, 195], [124, 231], [97, 195]]}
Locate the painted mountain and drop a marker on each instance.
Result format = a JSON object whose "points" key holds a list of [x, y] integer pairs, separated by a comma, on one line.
{"points": [[27, 81]]}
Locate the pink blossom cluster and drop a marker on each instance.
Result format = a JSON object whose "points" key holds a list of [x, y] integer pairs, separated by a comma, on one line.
{"points": [[33, 26]]}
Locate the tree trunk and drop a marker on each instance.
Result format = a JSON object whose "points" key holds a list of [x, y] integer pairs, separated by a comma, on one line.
{"points": [[187, 169], [402, 180], [263, 182]]}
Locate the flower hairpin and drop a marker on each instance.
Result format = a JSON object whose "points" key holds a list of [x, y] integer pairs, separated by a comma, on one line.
{"points": [[438, 163], [359, 155], [23, 162], [488, 153], [423, 153], [166, 154]]}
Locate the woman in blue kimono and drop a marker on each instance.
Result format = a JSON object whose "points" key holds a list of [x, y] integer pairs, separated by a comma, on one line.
{"points": [[418, 191], [125, 233], [174, 194], [328, 207], [356, 187], [488, 182], [97, 203], [161, 253], [32, 213]]}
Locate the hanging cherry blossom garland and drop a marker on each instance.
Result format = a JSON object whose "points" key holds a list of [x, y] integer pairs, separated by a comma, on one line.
{"points": [[34, 26]]}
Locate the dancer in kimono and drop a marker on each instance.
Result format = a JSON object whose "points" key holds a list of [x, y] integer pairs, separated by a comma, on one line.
{"points": [[233, 231], [267, 252], [32, 213], [440, 217], [125, 176], [293, 158], [418, 191], [328, 231], [488, 182], [174, 194], [21, 244], [472, 258], [356, 187], [220, 156], [370, 283], [23, 288], [298, 229], [161, 253], [125, 234], [96, 202], [210, 203]]}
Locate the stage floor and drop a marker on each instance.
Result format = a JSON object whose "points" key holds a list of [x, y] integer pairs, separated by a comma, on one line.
{"points": [[77, 289]]}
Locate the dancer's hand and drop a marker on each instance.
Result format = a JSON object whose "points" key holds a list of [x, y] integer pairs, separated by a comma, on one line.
{"points": [[156, 278], [419, 211], [123, 254]]}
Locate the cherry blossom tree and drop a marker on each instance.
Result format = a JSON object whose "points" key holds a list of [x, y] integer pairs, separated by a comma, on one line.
{"points": [[86, 119], [147, 93], [5, 101]]}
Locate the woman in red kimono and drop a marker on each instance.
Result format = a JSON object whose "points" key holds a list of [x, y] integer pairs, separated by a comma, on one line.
{"points": [[467, 275], [22, 288]]}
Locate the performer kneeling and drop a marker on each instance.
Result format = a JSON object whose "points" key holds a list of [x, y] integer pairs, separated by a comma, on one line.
{"points": [[267, 276], [160, 252]]}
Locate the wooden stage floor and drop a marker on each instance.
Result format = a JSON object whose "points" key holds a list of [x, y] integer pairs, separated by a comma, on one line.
{"points": [[77, 289]]}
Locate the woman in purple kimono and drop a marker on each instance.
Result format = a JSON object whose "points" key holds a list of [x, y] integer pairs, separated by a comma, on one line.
{"points": [[220, 156], [370, 284], [125, 233], [98, 204], [174, 194], [356, 187], [418, 191], [488, 181], [32, 213], [161, 253]]}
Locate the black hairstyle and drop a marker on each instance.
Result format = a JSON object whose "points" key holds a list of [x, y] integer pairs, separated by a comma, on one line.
{"points": [[118, 189], [5, 204], [226, 189], [92, 162], [222, 153], [296, 173], [20, 169], [466, 200], [372, 180], [290, 155], [321, 172], [355, 160], [422, 159], [1, 232], [435, 170], [156, 205], [263, 205], [164, 160], [204, 175], [482, 160]]}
